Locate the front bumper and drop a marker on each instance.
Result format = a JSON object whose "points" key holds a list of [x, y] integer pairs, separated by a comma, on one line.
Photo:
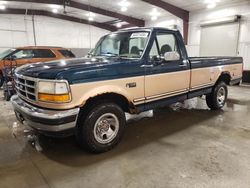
{"points": [[43, 119]]}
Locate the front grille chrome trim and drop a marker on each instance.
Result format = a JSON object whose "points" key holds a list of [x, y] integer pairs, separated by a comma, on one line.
{"points": [[25, 88]]}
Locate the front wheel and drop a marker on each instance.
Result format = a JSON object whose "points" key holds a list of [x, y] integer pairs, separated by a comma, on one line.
{"points": [[101, 128], [217, 99]]}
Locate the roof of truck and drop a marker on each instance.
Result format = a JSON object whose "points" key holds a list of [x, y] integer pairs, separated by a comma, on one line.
{"points": [[146, 28]]}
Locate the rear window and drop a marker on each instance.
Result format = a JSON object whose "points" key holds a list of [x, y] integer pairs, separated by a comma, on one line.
{"points": [[67, 53], [43, 53]]}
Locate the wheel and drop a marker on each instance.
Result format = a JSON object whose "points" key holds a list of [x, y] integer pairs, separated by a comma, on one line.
{"points": [[217, 99], [1, 80], [101, 128]]}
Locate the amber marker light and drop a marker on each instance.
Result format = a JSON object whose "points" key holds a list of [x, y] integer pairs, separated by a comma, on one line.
{"points": [[54, 98], [54, 91]]}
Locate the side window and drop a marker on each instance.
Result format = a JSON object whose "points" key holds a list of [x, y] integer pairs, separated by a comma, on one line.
{"points": [[24, 54], [43, 53], [167, 43], [67, 53]]}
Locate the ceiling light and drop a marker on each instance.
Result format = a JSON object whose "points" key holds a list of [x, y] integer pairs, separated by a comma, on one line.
{"points": [[90, 14], [211, 1], [55, 10], [91, 19], [124, 9], [2, 7], [153, 18], [211, 5], [54, 6], [124, 3], [154, 12], [119, 25], [3, 2]]}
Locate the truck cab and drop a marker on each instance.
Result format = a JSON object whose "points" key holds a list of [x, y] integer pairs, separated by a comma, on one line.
{"points": [[128, 71]]}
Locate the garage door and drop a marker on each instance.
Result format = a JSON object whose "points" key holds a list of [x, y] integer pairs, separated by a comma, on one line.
{"points": [[220, 40]]}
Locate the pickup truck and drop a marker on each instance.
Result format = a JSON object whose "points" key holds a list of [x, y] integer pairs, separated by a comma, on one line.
{"points": [[131, 70]]}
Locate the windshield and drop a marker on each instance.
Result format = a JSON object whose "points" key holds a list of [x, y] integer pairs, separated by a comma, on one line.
{"points": [[6, 52], [124, 44]]}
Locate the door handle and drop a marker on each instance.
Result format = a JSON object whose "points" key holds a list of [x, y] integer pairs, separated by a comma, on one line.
{"points": [[147, 66]]}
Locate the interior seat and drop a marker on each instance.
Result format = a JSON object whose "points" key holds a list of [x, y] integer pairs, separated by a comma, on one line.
{"points": [[165, 48]]}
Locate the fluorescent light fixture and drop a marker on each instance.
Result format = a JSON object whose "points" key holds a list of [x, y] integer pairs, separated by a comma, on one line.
{"points": [[55, 11], [154, 12], [119, 25], [124, 3], [2, 7], [3, 2], [124, 9], [54, 6], [153, 18], [230, 19], [90, 14], [211, 1], [91, 19]]}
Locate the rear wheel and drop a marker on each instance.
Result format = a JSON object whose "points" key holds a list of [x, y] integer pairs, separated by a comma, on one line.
{"points": [[217, 99], [102, 128]]}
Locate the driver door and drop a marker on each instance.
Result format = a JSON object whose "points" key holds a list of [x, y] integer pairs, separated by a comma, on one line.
{"points": [[165, 78]]}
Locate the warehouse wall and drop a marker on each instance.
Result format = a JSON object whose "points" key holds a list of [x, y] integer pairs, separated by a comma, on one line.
{"points": [[17, 30], [235, 9], [197, 17]]}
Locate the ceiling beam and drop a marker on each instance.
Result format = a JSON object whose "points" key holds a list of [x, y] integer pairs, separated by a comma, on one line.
{"points": [[58, 16], [178, 12], [97, 10]]}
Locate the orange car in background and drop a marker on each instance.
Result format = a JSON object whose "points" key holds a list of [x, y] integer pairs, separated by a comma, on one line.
{"points": [[31, 54]]}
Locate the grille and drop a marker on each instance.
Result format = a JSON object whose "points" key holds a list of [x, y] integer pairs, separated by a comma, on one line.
{"points": [[26, 87]]}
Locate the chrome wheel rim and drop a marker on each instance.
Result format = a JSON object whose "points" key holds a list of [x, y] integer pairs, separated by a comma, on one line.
{"points": [[106, 128], [221, 96]]}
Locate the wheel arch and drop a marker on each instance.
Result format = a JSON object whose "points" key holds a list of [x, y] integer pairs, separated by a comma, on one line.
{"points": [[110, 94], [225, 77]]}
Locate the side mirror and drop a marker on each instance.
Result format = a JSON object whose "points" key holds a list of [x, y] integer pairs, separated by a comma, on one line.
{"points": [[171, 56]]}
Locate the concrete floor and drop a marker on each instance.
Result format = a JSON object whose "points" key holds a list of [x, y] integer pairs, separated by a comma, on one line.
{"points": [[189, 146]]}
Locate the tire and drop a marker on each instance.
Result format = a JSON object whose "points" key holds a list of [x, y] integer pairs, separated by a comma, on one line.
{"points": [[1, 80], [217, 99], [94, 131]]}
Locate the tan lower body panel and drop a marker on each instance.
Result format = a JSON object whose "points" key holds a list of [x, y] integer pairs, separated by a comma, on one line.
{"points": [[168, 83], [205, 77], [156, 87]]}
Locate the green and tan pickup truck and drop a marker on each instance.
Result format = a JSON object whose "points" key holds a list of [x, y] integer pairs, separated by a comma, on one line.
{"points": [[131, 70]]}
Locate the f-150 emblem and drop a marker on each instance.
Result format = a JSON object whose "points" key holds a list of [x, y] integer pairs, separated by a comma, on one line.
{"points": [[130, 85]]}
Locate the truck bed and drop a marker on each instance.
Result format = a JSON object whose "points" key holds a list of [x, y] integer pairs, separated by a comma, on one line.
{"points": [[202, 62]]}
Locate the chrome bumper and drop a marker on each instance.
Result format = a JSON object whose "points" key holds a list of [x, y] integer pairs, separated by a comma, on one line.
{"points": [[43, 119]]}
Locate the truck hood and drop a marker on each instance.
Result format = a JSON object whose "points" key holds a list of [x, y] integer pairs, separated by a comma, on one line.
{"points": [[75, 70]]}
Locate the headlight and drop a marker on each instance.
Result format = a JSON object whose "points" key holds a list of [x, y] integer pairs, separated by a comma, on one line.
{"points": [[53, 91]]}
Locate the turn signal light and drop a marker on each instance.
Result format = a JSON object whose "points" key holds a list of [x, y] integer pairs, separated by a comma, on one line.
{"points": [[53, 97]]}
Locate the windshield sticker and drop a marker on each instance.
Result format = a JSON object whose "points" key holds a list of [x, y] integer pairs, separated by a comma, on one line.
{"points": [[139, 35]]}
